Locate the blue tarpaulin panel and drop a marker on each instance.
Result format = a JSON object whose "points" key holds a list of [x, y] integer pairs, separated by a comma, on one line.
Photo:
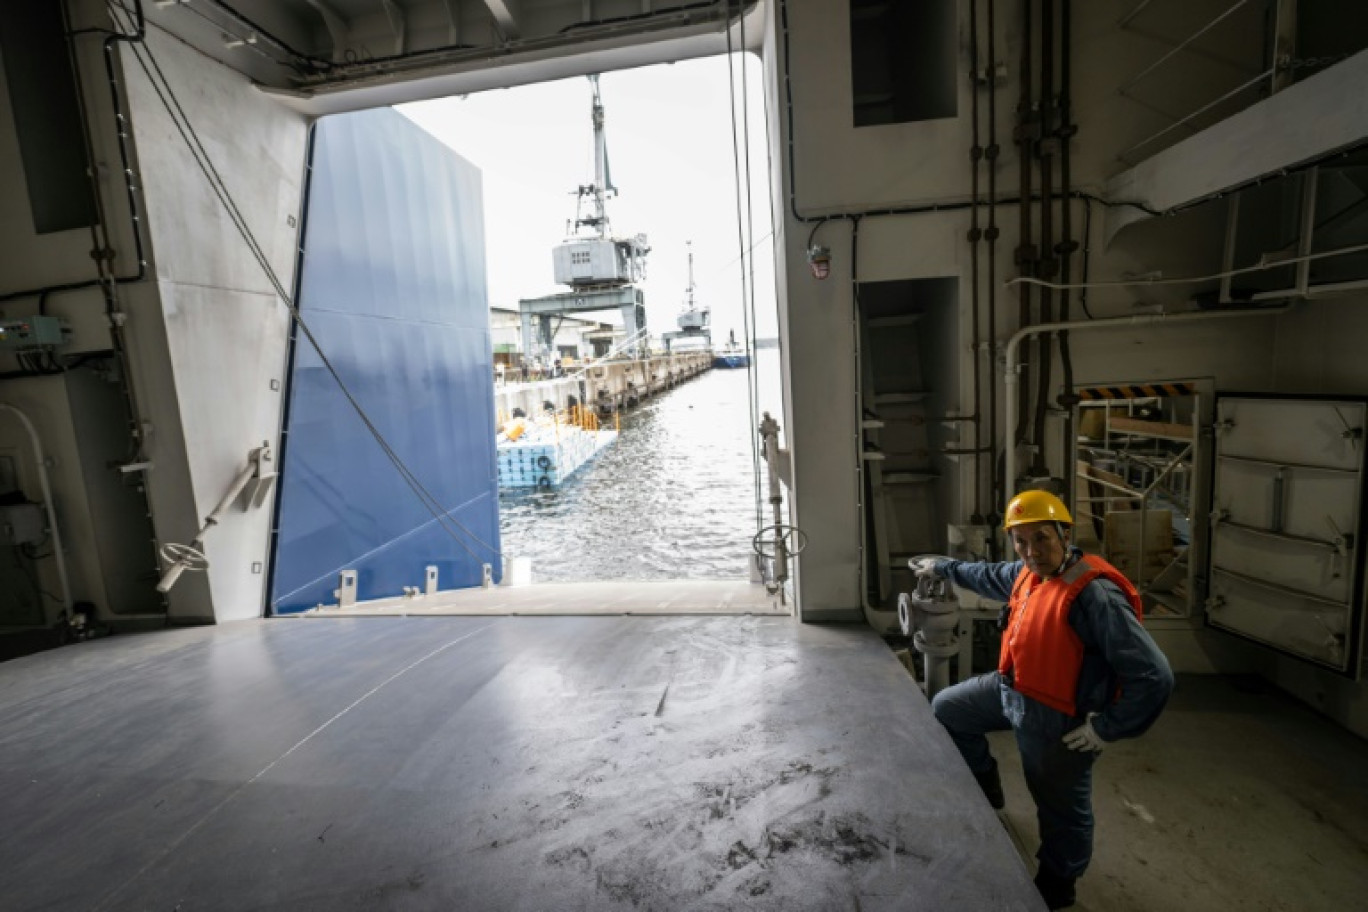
{"points": [[393, 287]]}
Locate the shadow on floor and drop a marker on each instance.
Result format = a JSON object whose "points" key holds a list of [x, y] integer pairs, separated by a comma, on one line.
{"points": [[1240, 798]]}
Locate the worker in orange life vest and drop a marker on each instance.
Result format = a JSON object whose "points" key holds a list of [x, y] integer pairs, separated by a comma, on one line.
{"points": [[1076, 671]]}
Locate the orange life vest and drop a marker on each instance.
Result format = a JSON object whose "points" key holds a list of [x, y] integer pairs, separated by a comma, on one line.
{"points": [[1040, 650]]}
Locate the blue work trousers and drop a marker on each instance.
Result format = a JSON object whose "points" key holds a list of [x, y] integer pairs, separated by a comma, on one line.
{"points": [[1060, 779]]}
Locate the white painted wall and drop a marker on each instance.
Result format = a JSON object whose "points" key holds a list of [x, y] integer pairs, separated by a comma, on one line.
{"points": [[32, 261], [1316, 347], [214, 338], [206, 333]]}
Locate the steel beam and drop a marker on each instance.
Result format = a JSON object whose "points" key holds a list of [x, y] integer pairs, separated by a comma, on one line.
{"points": [[627, 298], [505, 13], [1284, 44], [395, 13], [338, 28]]}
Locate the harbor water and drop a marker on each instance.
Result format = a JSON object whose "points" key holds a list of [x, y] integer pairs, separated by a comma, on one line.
{"points": [[674, 498]]}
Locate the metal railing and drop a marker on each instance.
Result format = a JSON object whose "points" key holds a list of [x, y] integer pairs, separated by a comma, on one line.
{"points": [[1140, 497], [1282, 64]]}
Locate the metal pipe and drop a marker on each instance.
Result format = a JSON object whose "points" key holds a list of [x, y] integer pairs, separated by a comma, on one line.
{"points": [[930, 615], [994, 492], [1011, 368], [1193, 280], [1067, 244], [871, 612], [1046, 265], [46, 489], [1025, 256], [769, 433], [975, 236], [1313, 291], [1310, 183], [1139, 8]]}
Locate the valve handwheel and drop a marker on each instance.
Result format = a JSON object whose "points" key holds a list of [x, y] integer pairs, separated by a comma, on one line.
{"points": [[191, 558], [794, 539]]}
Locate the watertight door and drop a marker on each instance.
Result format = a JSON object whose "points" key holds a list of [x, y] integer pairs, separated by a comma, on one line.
{"points": [[1286, 525]]}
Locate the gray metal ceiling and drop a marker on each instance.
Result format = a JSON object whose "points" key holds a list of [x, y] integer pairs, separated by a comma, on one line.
{"points": [[328, 55]]}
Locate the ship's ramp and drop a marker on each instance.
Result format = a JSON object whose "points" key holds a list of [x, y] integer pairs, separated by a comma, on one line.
{"points": [[508, 763]]}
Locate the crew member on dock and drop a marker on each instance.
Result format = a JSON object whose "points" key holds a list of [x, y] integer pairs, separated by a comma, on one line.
{"points": [[1075, 671]]}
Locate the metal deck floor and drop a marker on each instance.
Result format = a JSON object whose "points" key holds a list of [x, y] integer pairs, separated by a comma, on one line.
{"points": [[461, 763], [614, 597]]}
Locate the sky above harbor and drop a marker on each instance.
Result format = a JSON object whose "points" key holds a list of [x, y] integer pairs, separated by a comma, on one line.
{"points": [[670, 148]]}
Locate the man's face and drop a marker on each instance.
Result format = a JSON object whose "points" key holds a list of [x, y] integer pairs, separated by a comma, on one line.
{"points": [[1039, 545]]}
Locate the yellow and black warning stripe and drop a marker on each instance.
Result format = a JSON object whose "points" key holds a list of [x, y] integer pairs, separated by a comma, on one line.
{"points": [[1140, 391]]}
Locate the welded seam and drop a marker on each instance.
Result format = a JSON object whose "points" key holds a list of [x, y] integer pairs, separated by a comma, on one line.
{"points": [[198, 824]]}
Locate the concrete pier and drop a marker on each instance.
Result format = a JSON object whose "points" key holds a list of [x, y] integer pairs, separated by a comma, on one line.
{"points": [[607, 386]]}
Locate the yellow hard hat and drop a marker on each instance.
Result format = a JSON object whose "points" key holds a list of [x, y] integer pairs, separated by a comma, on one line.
{"points": [[1035, 506]]}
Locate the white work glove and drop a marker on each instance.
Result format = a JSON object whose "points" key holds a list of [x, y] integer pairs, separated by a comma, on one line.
{"points": [[924, 568], [1085, 737]]}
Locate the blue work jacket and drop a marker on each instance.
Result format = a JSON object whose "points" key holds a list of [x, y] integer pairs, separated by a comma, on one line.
{"points": [[1118, 652]]}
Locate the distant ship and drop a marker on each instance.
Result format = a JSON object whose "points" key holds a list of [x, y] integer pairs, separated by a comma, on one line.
{"points": [[731, 355]]}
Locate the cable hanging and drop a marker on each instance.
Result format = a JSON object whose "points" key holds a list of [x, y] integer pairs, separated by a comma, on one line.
{"points": [[743, 231], [1262, 265]]}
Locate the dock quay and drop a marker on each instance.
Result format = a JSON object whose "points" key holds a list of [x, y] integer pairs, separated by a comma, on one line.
{"points": [[606, 386]]}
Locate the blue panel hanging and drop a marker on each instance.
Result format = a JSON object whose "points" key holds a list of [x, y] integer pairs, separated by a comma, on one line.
{"points": [[393, 287]]}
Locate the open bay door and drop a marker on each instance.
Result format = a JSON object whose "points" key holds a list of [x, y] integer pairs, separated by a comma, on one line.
{"points": [[1286, 526]]}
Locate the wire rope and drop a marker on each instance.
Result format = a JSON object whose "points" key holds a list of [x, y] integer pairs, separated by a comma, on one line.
{"points": [[741, 236], [753, 367], [205, 163]]}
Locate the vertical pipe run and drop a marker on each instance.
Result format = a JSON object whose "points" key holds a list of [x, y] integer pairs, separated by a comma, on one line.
{"points": [[991, 153], [1067, 245], [975, 235], [1025, 255], [769, 435], [1046, 263]]}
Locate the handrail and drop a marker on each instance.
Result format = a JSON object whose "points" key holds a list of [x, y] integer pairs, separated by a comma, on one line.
{"points": [[1269, 74], [1266, 74], [1174, 51], [46, 489]]}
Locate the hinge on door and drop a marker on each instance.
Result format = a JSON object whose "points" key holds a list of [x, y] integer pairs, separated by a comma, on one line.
{"points": [[1342, 544], [1351, 434]]}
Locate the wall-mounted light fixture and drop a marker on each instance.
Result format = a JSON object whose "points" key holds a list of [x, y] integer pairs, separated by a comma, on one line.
{"points": [[819, 261]]}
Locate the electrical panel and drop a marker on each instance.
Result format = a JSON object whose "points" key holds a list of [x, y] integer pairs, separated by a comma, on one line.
{"points": [[31, 332]]}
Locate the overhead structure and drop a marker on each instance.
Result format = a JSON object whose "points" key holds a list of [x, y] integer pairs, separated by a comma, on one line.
{"points": [[600, 269]]}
